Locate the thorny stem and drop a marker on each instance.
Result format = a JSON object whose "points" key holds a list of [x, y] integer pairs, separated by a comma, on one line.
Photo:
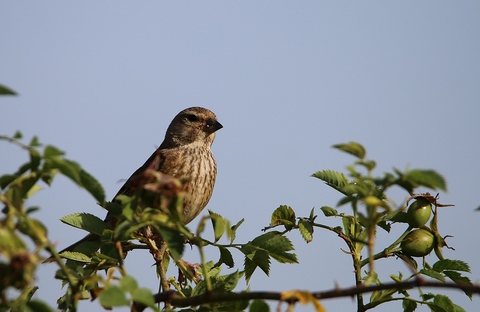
{"points": [[158, 255], [180, 301], [356, 258]]}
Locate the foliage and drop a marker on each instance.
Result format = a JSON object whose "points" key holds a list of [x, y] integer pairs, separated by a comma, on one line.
{"points": [[371, 210], [151, 219]]}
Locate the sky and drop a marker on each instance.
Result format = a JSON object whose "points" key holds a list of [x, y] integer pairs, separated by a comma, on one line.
{"points": [[287, 80]]}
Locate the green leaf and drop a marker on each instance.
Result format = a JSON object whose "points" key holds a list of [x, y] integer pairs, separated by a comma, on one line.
{"points": [[409, 305], [306, 230], [349, 226], [6, 179], [38, 306], [458, 278], [174, 241], [258, 252], [397, 216], [232, 233], [452, 265], [51, 151], [226, 257], [144, 296], [253, 260], [128, 283], [79, 176], [334, 179], [34, 159], [441, 303], [277, 246], [369, 164], [329, 211], [113, 296], [458, 308], [76, 256], [85, 221], [352, 148], [18, 135], [67, 168], [427, 178], [34, 142], [259, 306], [220, 284], [92, 186], [433, 274], [283, 215], [218, 224], [4, 90]]}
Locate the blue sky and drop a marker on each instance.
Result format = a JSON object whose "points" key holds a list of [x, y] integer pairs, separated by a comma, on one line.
{"points": [[286, 79]]}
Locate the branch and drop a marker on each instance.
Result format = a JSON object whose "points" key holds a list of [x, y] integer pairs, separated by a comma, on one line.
{"points": [[178, 301]]}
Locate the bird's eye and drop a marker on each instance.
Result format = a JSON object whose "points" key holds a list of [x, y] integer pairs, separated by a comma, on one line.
{"points": [[191, 117]]}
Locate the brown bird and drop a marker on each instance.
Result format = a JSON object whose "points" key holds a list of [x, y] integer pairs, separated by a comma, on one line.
{"points": [[185, 154]]}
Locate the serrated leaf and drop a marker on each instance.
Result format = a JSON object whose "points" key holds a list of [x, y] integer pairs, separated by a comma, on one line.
{"points": [[255, 258], [85, 221], [76, 256], [249, 267], [329, 211], [283, 215], [452, 265], [218, 224], [277, 246], [306, 230], [174, 241], [441, 303], [427, 178], [458, 278], [226, 257], [433, 274], [334, 179], [352, 148], [113, 296]]}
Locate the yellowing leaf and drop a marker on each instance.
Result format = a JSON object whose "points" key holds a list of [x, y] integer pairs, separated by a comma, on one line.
{"points": [[304, 297]]}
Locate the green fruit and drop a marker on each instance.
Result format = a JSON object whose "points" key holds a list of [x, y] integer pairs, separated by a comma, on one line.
{"points": [[419, 212], [418, 243]]}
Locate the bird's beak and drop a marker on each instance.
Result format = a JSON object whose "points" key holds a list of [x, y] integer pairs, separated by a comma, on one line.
{"points": [[213, 125]]}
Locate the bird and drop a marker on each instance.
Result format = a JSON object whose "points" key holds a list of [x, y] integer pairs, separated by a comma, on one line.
{"points": [[184, 154]]}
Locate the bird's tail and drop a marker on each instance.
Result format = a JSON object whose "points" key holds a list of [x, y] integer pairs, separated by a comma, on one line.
{"points": [[86, 245]]}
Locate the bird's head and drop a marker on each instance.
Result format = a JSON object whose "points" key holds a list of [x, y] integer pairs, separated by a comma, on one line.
{"points": [[194, 124]]}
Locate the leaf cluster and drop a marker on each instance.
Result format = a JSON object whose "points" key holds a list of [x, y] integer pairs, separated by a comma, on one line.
{"points": [[371, 210]]}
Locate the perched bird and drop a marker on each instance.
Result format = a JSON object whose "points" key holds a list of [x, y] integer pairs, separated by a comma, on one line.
{"points": [[185, 154]]}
